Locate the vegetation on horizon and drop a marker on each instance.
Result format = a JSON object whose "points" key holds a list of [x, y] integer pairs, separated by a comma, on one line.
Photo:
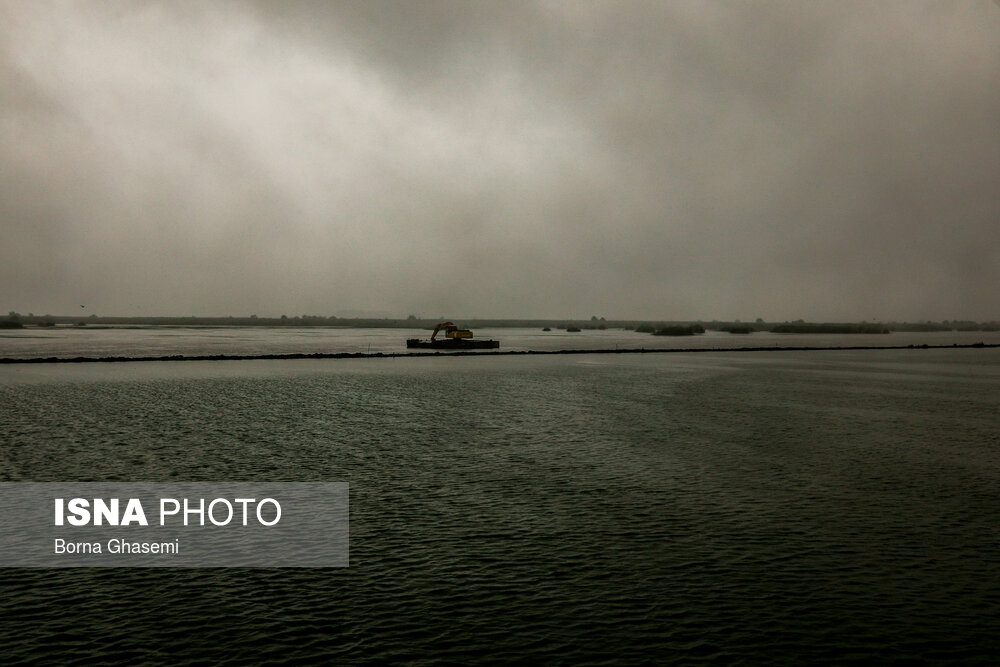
{"points": [[689, 330], [17, 320]]}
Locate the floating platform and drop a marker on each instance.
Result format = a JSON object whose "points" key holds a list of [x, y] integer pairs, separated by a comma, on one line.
{"points": [[453, 344]]}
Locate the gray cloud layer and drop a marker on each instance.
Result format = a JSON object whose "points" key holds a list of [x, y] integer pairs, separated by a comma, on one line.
{"points": [[825, 160]]}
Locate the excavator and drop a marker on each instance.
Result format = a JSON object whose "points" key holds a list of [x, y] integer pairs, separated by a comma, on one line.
{"points": [[454, 339], [450, 331]]}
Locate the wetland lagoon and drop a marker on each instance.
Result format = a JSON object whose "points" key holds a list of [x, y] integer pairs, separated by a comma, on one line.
{"points": [[772, 507]]}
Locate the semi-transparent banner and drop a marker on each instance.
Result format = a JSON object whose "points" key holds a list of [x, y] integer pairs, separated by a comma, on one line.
{"points": [[188, 524]]}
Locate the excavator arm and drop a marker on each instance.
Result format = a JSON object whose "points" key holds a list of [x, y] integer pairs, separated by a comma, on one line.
{"points": [[443, 325]]}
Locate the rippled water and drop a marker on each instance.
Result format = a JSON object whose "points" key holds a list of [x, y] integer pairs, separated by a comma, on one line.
{"points": [[790, 508]]}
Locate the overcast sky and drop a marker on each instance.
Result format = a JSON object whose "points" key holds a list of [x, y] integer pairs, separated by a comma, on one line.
{"points": [[829, 160]]}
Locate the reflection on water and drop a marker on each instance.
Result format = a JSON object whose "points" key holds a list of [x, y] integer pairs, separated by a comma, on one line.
{"points": [[766, 508]]}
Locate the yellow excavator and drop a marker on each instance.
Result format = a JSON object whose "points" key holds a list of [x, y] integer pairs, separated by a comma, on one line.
{"points": [[454, 339], [450, 331]]}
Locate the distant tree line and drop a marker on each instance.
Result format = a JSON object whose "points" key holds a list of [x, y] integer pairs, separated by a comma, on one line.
{"points": [[830, 328], [803, 327], [680, 330], [664, 328]]}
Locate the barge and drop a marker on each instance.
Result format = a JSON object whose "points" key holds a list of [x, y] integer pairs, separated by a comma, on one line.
{"points": [[454, 339]]}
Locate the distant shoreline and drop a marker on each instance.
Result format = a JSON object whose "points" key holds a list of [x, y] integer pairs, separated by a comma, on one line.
{"points": [[393, 355], [16, 320]]}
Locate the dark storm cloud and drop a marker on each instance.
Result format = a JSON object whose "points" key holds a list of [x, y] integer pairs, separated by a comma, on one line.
{"points": [[826, 160]]}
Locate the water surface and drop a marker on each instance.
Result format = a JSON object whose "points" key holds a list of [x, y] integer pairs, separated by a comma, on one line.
{"points": [[771, 507], [155, 341]]}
